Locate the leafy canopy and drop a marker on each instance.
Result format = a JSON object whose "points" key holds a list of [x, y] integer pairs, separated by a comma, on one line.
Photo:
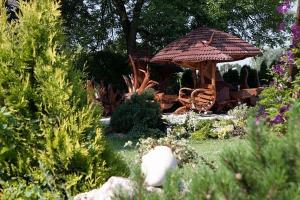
{"points": [[98, 25]]}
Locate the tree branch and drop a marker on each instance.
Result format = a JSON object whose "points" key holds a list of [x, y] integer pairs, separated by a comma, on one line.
{"points": [[137, 10], [121, 11]]}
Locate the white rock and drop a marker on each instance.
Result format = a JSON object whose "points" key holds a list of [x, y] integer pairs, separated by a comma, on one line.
{"points": [[154, 189], [156, 163], [113, 186]]}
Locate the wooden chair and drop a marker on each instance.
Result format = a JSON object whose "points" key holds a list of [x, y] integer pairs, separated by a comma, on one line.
{"points": [[200, 100], [203, 99], [184, 97]]}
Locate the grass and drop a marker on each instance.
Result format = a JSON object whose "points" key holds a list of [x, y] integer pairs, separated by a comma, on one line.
{"points": [[210, 150]]}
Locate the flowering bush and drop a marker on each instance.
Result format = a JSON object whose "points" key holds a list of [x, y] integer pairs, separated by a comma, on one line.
{"points": [[284, 7], [183, 127], [221, 129], [275, 101]]}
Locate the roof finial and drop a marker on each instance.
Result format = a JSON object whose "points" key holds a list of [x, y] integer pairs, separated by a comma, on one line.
{"points": [[211, 38], [207, 43]]}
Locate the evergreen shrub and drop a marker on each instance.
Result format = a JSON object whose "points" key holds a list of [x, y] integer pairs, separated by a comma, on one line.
{"points": [[264, 74], [232, 76], [51, 142], [140, 116]]}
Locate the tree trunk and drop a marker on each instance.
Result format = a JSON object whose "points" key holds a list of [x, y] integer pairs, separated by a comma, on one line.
{"points": [[131, 40], [129, 26]]}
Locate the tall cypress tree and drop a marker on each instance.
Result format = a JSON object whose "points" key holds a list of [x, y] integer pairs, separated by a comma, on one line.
{"points": [[51, 143]]}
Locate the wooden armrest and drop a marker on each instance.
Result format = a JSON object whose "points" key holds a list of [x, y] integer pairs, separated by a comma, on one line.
{"points": [[184, 101], [201, 90], [187, 89], [183, 90]]}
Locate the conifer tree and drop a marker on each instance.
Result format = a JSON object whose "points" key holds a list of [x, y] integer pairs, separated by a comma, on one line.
{"points": [[51, 143]]}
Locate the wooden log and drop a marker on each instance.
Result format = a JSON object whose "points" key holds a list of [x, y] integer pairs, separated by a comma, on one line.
{"points": [[200, 100]]}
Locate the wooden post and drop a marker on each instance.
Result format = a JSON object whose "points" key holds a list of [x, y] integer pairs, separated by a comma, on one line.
{"points": [[213, 77], [202, 74], [194, 74]]}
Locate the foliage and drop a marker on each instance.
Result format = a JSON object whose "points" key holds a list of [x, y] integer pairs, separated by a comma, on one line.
{"points": [[285, 85], [142, 131], [226, 67], [274, 101], [140, 112], [179, 131], [275, 160], [264, 64], [240, 113], [221, 129], [181, 149], [253, 79], [99, 25], [203, 130], [183, 128], [87, 24], [174, 83], [232, 76], [269, 56], [104, 66], [51, 140], [186, 79], [199, 129], [264, 74]]}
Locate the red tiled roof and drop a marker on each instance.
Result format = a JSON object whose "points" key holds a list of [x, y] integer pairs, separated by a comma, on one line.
{"points": [[194, 47], [201, 53]]}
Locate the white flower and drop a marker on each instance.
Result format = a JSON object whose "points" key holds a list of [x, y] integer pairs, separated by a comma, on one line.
{"points": [[128, 144]]}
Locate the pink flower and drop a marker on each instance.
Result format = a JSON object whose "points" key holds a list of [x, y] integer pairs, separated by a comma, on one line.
{"points": [[284, 7], [257, 121], [296, 34], [278, 69]]}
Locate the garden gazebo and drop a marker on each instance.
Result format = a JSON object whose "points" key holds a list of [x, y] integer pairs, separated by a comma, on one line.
{"points": [[201, 50]]}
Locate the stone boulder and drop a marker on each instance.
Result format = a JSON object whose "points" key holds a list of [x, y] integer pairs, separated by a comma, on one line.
{"points": [[156, 163], [112, 187]]}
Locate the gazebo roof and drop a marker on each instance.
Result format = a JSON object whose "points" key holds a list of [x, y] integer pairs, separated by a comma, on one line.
{"points": [[206, 44], [201, 52]]}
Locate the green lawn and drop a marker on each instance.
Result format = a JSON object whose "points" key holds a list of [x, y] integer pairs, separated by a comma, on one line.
{"points": [[208, 149]]}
